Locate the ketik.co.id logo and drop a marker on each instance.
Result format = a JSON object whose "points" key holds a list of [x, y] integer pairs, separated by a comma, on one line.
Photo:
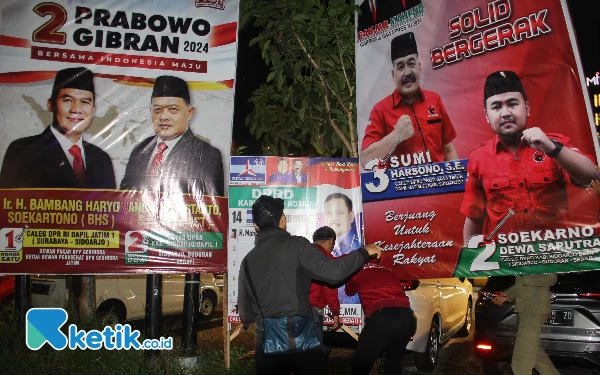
{"points": [[43, 326]]}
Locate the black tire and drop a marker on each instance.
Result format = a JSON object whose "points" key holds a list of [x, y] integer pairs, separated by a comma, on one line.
{"points": [[428, 360], [111, 314], [208, 305], [491, 367], [465, 331]]}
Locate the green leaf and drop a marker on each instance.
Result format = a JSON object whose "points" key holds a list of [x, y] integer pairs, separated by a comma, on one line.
{"points": [[253, 41], [299, 17]]}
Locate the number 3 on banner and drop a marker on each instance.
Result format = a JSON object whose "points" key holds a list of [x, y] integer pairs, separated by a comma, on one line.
{"points": [[379, 174], [480, 263], [48, 32]]}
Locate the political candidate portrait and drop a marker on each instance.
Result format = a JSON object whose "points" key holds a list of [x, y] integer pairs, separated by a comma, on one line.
{"points": [[59, 157], [373, 12], [299, 176], [339, 215], [174, 159], [522, 168], [411, 119], [282, 175]]}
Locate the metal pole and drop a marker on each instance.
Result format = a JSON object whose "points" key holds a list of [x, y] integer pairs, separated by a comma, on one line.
{"points": [[153, 312], [191, 306], [87, 299], [22, 298], [226, 325]]}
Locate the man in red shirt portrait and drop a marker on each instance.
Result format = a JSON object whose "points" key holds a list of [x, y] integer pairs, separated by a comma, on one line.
{"points": [[410, 120], [521, 169]]}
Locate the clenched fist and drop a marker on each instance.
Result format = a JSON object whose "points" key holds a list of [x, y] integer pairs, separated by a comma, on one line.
{"points": [[538, 140], [404, 128]]}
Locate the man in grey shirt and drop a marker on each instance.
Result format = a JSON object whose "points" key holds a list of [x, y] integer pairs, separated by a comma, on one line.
{"points": [[281, 267]]}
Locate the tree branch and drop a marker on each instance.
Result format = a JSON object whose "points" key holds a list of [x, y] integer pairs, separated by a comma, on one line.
{"points": [[335, 127]]}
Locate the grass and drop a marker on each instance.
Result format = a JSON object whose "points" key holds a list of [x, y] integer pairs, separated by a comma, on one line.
{"points": [[17, 359]]}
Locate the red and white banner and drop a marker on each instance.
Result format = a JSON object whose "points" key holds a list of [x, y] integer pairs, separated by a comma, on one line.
{"points": [[415, 204], [144, 191]]}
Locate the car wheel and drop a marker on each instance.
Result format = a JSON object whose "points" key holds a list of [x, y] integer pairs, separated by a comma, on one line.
{"points": [[465, 331], [111, 315], [428, 360], [491, 367], [208, 305]]}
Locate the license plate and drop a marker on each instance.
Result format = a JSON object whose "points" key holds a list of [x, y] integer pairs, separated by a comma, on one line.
{"points": [[561, 318]]}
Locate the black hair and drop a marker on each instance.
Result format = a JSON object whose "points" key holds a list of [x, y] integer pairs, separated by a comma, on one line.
{"points": [[323, 234], [267, 211]]}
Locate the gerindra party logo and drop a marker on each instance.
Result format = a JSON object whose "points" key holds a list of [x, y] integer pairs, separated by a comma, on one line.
{"points": [[217, 4]]}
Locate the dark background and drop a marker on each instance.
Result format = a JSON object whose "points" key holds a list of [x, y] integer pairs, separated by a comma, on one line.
{"points": [[251, 70]]}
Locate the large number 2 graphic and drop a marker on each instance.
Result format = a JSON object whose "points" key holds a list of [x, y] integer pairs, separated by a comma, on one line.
{"points": [[480, 263], [48, 32], [137, 245]]}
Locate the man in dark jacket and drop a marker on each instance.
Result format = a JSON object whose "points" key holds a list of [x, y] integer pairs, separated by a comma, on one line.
{"points": [[281, 267]]}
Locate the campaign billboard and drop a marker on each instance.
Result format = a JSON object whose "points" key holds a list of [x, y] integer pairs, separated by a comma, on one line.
{"points": [[316, 192], [477, 143], [115, 135]]}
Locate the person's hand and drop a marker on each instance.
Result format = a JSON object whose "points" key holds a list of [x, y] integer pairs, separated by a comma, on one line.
{"points": [[336, 323], [538, 140], [500, 298], [404, 128], [374, 250]]}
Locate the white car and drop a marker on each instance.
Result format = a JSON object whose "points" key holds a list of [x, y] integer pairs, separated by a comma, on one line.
{"points": [[443, 307], [122, 298]]}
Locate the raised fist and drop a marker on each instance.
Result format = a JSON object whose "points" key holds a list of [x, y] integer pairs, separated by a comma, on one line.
{"points": [[404, 128]]}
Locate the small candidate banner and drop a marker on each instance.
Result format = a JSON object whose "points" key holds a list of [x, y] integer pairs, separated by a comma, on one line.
{"points": [[115, 134], [316, 192], [477, 144]]}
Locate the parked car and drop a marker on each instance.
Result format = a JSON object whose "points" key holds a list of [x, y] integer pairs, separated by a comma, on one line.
{"points": [[122, 298], [443, 308], [571, 334]]}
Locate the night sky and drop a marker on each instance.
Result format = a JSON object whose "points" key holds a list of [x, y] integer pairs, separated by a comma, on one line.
{"points": [[251, 70]]}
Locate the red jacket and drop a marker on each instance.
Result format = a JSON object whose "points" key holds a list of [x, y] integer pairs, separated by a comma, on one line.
{"points": [[322, 295], [378, 287]]}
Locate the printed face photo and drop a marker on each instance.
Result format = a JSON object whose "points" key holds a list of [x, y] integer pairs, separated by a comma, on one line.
{"points": [[297, 166], [170, 117], [282, 166], [406, 74], [73, 110], [507, 113], [338, 216]]}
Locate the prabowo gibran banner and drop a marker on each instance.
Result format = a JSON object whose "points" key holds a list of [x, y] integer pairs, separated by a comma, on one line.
{"points": [[115, 135]]}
